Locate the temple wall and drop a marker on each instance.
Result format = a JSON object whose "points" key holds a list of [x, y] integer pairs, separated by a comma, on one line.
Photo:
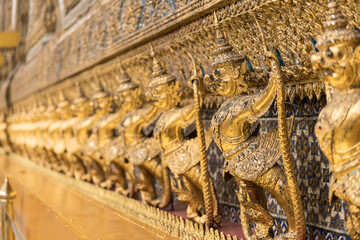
{"points": [[72, 41]]}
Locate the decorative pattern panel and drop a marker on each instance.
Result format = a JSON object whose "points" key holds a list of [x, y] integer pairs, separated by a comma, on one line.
{"points": [[108, 32]]}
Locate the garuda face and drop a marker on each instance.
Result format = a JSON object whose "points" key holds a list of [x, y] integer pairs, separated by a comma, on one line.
{"points": [[103, 104], [338, 65], [128, 99], [226, 79], [166, 96]]}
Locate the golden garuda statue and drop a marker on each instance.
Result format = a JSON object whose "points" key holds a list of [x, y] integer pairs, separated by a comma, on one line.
{"points": [[251, 160], [120, 172], [82, 108], [39, 122], [56, 130], [52, 118], [181, 155], [338, 126], [24, 130], [90, 140], [46, 156], [140, 150], [15, 120], [85, 111]]}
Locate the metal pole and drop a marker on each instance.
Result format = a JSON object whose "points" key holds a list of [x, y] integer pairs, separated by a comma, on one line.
{"points": [[7, 196]]}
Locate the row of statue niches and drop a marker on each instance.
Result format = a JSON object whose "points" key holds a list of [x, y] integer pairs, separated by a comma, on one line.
{"points": [[95, 140]]}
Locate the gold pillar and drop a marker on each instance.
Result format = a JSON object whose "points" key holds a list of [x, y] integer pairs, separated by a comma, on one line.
{"points": [[7, 196]]}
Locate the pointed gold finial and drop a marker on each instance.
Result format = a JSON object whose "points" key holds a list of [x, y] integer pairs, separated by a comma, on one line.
{"points": [[61, 96], [159, 74], [79, 95], [98, 89], [62, 99], [334, 19], [335, 30], [219, 33], [122, 75], [224, 53], [41, 105], [50, 103], [157, 67], [125, 82], [6, 191], [97, 86], [152, 52], [78, 91]]}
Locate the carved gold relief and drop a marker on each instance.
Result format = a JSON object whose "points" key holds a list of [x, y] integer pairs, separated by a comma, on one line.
{"points": [[104, 35]]}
